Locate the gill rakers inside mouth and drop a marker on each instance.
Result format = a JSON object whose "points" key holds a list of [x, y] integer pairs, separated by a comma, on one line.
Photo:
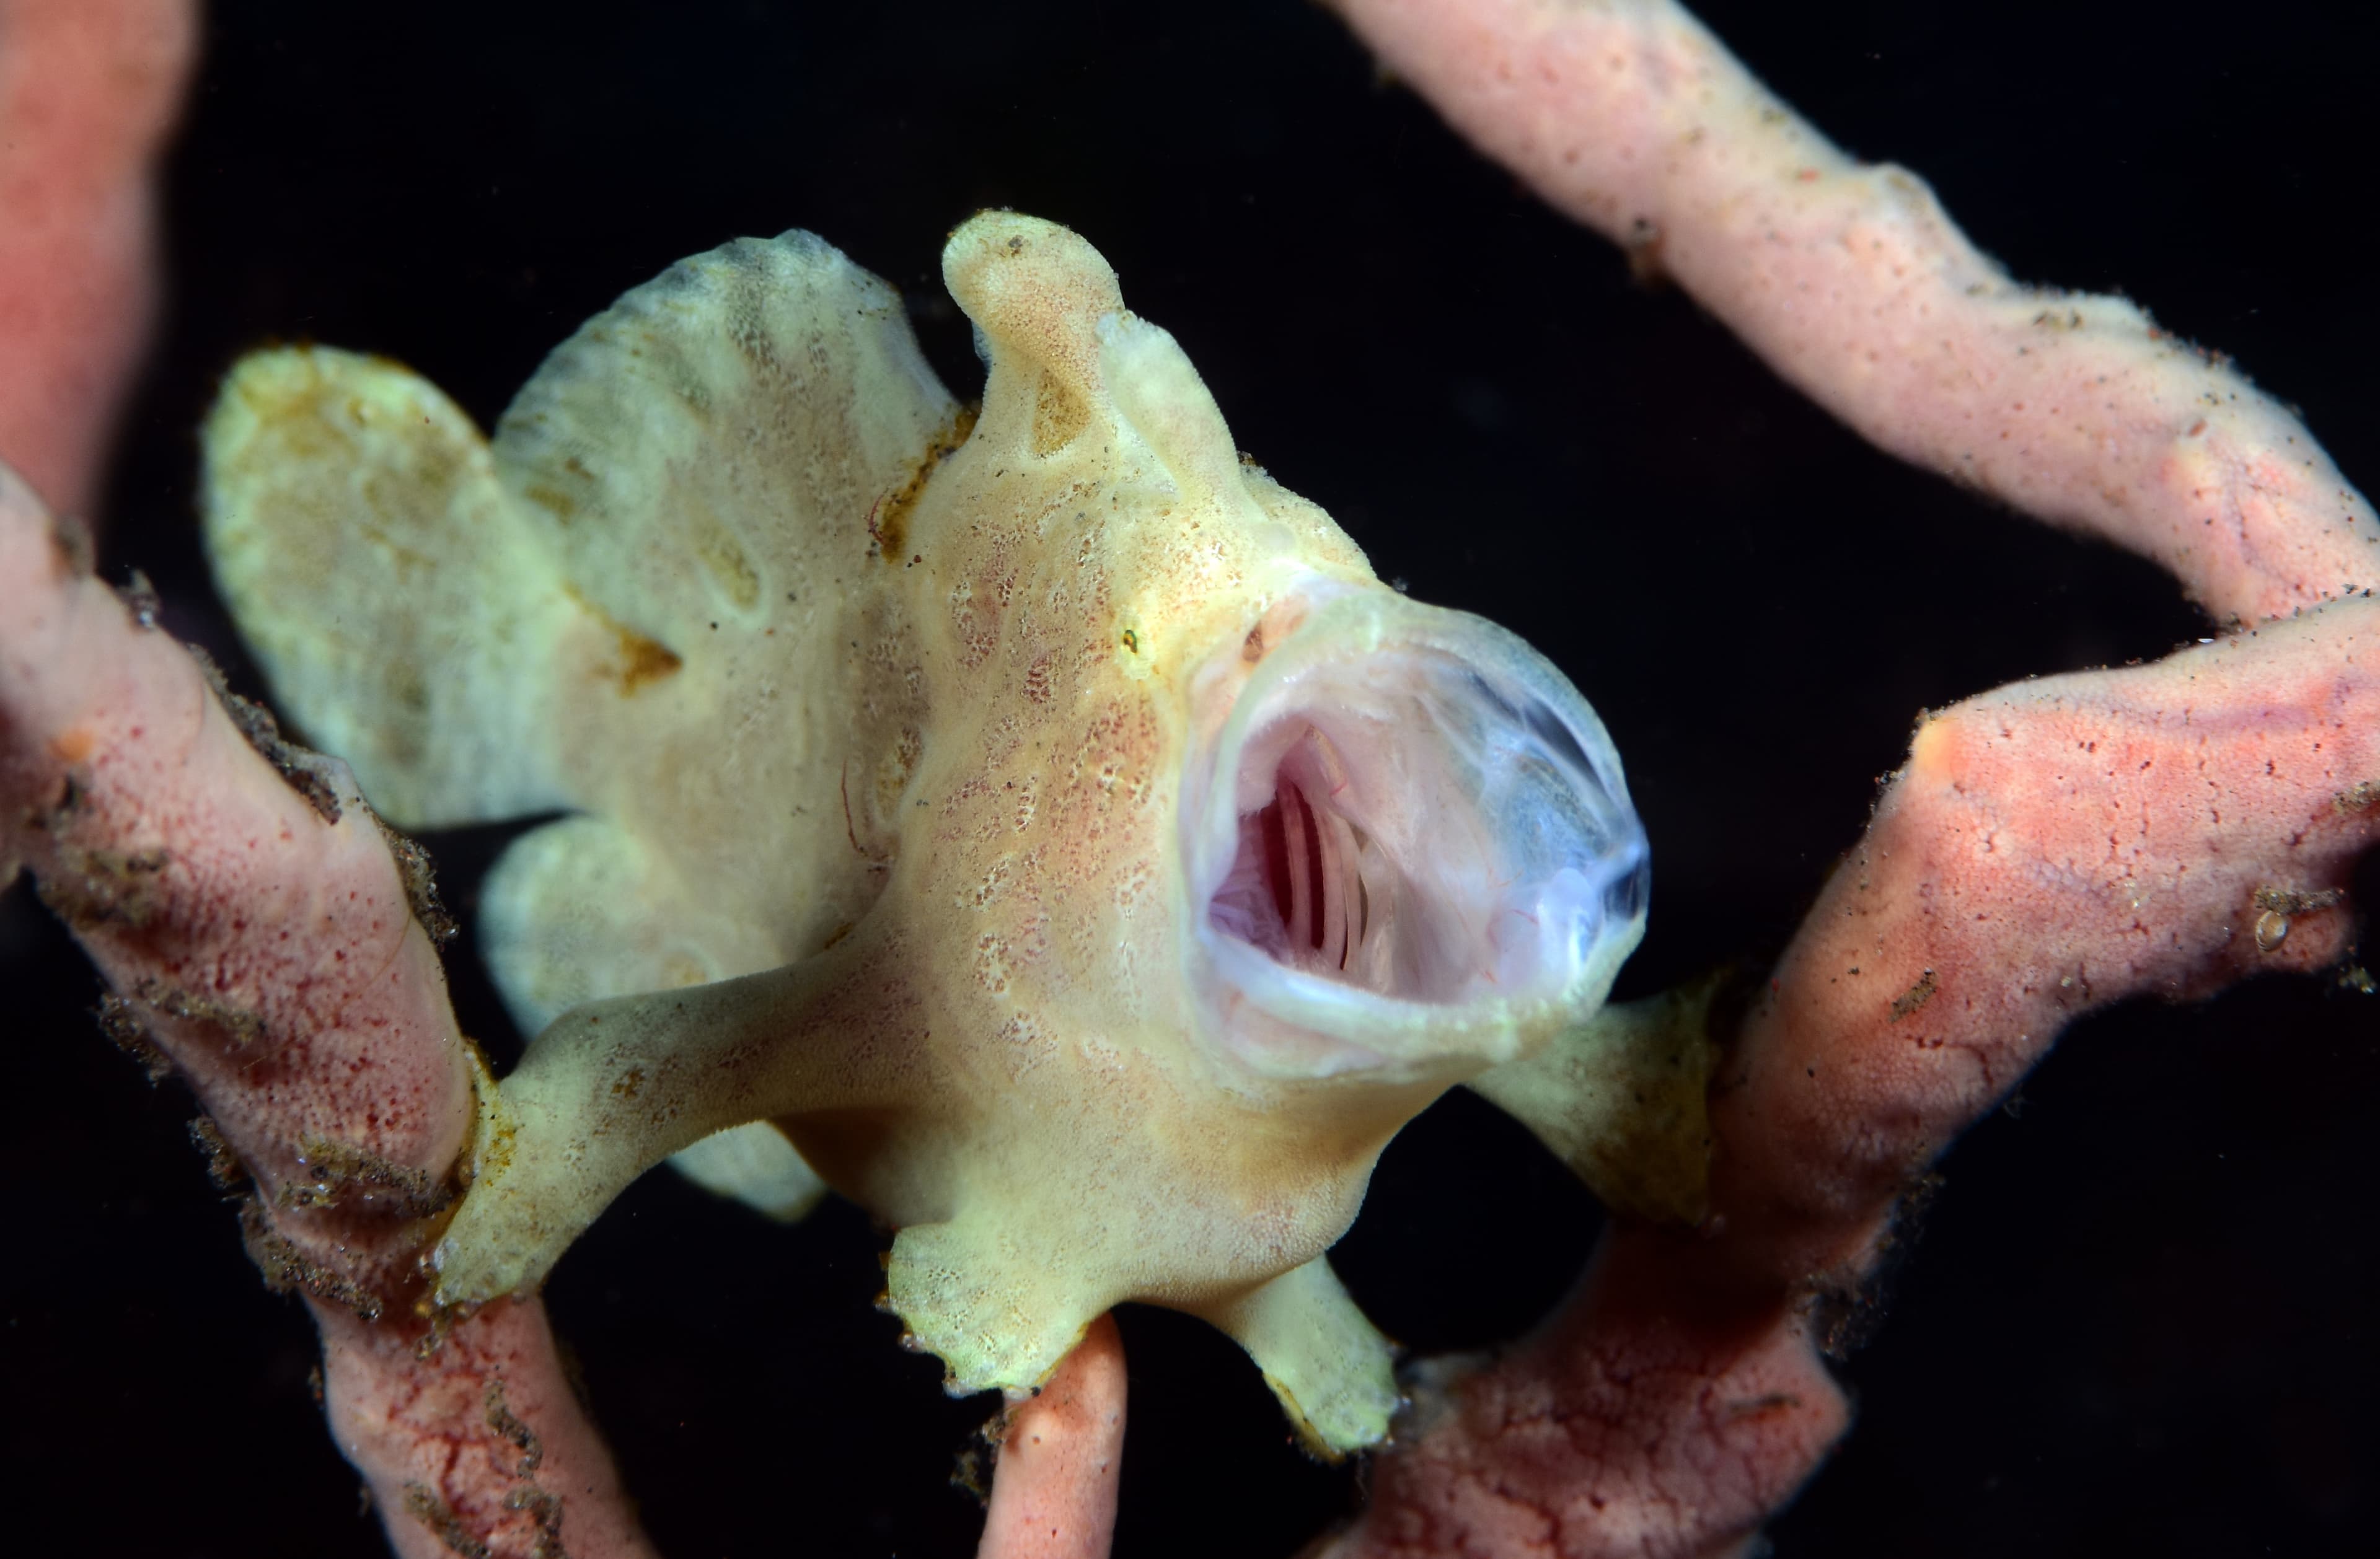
{"points": [[1310, 887]]}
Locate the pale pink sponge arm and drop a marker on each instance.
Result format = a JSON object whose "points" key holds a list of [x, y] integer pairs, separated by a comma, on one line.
{"points": [[1852, 284], [87, 93], [261, 939], [1061, 1458], [2048, 848]]}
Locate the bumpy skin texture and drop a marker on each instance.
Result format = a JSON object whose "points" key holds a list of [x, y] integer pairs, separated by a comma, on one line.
{"points": [[885, 733]]}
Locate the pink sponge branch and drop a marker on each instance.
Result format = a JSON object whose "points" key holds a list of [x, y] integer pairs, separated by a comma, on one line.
{"points": [[263, 935], [1061, 1456], [2048, 848], [260, 931], [1654, 1418], [261, 940], [478, 1446], [88, 92], [1852, 284]]}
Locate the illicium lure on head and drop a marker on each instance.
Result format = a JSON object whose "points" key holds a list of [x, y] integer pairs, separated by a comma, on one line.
{"points": [[1037, 825]]}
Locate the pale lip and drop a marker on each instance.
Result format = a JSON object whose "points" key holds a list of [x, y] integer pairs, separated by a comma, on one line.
{"points": [[1409, 838]]}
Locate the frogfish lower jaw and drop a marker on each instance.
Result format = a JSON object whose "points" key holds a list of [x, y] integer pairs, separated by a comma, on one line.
{"points": [[1409, 844]]}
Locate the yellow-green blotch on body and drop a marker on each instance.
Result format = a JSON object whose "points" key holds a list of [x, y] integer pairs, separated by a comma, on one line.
{"points": [[1048, 826]]}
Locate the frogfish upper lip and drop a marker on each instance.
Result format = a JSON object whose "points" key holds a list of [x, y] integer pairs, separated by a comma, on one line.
{"points": [[1407, 839]]}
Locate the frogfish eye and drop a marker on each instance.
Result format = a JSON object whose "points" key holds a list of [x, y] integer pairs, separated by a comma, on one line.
{"points": [[1410, 825]]}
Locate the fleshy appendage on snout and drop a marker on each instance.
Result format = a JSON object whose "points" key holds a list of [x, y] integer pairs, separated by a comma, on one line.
{"points": [[1410, 838]]}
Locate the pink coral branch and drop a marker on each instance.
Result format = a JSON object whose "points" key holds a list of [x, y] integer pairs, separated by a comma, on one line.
{"points": [[1854, 285], [89, 90], [1053, 1495], [261, 938]]}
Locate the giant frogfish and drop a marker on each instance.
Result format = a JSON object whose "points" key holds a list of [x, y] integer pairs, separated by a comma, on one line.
{"points": [[1033, 823]]}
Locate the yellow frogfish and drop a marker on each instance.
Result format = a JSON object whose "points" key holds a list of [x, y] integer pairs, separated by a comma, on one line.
{"points": [[1035, 824]]}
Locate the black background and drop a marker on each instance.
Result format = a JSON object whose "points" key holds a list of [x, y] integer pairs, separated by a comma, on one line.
{"points": [[2138, 1319]]}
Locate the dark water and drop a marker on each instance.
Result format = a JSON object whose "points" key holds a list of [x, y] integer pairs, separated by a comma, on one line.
{"points": [[2138, 1319]]}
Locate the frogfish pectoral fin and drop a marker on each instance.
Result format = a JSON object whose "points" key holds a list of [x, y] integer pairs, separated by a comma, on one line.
{"points": [[612, 1088], [1622, 1099]]}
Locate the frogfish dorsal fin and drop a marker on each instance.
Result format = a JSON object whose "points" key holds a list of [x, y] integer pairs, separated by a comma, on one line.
{"points": [[712, 443]]}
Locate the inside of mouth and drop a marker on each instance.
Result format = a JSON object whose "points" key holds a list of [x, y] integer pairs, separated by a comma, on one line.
{"points": [[1408, 828], [1310, 885]]}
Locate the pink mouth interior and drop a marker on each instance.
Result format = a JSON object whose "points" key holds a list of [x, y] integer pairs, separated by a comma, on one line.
{"points": [[1317, 890], [1409, 828], [1296, 889]]}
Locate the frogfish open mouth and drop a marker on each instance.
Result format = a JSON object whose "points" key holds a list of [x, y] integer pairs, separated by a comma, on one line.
{"points": [[1033, 823], [1405, 825]]}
